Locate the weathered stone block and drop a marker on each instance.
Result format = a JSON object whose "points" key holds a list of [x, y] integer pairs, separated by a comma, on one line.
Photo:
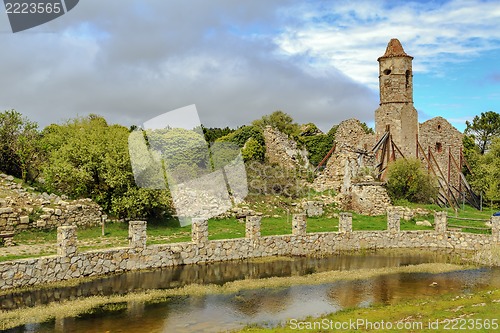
{"points": [[440, 222], [495, 229], [6, 210], [252, 227], [299, 224], [199, 231], [66, 241], [313, 208], [24, 220], [137, 234], [393, 220], [345, 222]]}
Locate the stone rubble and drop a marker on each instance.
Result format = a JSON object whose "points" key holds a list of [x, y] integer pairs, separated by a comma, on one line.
{"points": [[24, 210]]}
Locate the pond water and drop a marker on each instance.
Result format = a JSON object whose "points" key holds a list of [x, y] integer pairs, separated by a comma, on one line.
{"points": [[216, 313]]}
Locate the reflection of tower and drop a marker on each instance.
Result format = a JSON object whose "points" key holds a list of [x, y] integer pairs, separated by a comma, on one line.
{"points": [[396, 112]]}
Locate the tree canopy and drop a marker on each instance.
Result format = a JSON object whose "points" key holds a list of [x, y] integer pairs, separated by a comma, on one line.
{"points": [[483, 129], [20, 149], [89, 158]]}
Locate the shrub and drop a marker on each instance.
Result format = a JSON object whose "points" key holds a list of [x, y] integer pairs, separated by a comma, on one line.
{"points": [[407, 180]]}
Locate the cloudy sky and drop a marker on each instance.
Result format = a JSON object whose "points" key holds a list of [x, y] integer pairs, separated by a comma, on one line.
{"points": [[132, 60]]}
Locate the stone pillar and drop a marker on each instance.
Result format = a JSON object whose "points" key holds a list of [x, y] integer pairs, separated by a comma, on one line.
{"points": [[252, 227], [393, 220], [495, 229], [440, 222], [66, 241], [199, 231], [137, 234], [299, 225], [345, 222]]}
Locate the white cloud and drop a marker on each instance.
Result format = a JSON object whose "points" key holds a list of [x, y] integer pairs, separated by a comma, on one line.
{"points": [[351, 35]]}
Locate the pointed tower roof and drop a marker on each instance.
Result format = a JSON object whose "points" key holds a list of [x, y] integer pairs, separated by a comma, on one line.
{"points": [[394, 49]]}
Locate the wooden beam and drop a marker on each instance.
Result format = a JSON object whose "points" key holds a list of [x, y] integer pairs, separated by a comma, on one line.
{"points": [[430, 168], [448, 190], [327, 156]]}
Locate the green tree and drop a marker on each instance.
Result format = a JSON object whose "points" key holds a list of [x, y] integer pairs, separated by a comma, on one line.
{"points": [[253, 150], [318, 145], [250, 139], [20, 150], [484, 128], [279, 120], [486, 178], [212, 134], [89, 158], [409, 181]]}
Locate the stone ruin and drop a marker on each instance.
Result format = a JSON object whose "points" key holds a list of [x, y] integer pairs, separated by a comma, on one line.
{"points": [[351, 171], [355, 164], [23, 210], [282, 150]]}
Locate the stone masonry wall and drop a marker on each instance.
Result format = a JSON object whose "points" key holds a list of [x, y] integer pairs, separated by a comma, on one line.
{"points": [[346, 163], [21, 210], [440, 137], [282, 150], [71, 264]]}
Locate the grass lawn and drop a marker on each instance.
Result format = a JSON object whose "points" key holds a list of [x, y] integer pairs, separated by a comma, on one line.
{"points": [[477, 312]]}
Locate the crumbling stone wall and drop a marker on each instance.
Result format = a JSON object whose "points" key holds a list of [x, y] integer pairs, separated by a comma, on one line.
{"points": [[350, 170], [369, 199], [441, 138], [284, 151], [22, 210], [350, 159]]}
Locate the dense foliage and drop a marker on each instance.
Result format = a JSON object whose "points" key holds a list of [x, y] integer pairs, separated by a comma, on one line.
{"points": [[184, 152], [88, 158], [212, 134], [20, 148], [280, 121], [318, 145], [483, 129], [251, 141], [407, 180], [485, 178]]}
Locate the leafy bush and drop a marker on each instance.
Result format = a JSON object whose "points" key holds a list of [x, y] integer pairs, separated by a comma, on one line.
{"points": [[20, 150], [250, 139], [280, 121], [407, 180], [89, 158], [318, 145]]}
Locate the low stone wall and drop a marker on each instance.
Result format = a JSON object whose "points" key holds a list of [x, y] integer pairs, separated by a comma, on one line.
{"points": [[70, 264], [22, 210], [82, 213]]}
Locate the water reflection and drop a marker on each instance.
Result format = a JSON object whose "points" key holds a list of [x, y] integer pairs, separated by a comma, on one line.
{"points": [[215, 313], [216, 273]]}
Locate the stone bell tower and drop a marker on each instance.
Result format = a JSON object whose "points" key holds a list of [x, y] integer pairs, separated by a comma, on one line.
{"points": [[396, 112]]}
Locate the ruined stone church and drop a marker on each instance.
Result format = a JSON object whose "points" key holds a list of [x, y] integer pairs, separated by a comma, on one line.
{"points": [[359, 159]]}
